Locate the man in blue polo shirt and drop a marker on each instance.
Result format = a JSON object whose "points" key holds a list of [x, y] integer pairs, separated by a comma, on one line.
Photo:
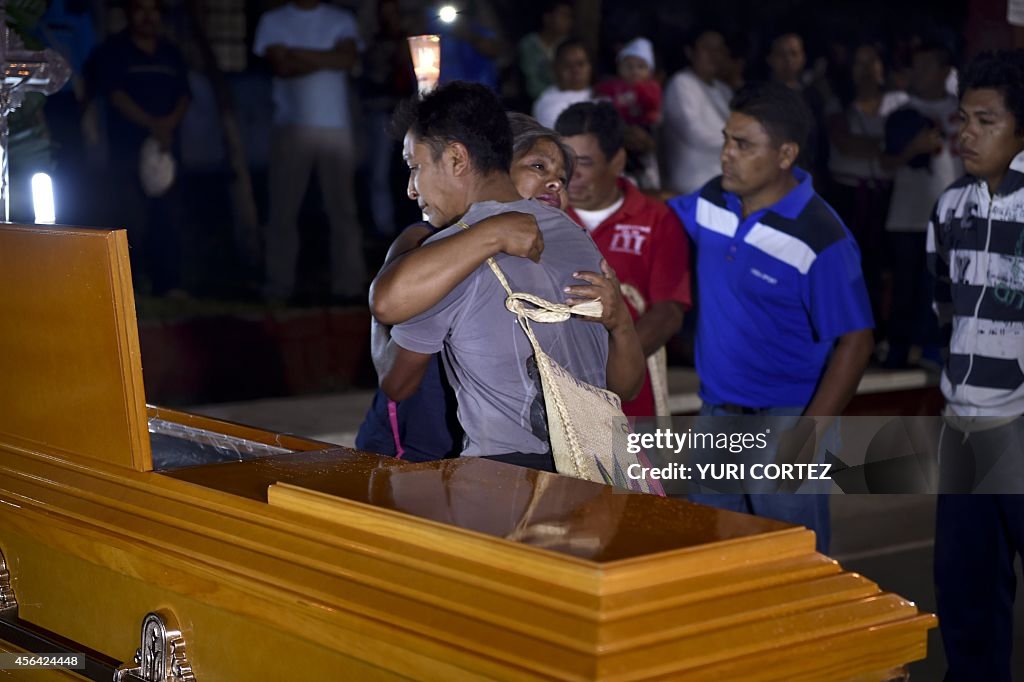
{"points": [[783, 322]]}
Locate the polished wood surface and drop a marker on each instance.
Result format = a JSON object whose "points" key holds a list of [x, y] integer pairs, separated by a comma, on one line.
{"points": [[565, 515], [69, 349], [455, 570]]}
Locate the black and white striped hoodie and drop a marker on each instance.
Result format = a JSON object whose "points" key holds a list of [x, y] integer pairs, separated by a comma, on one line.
{"points": [[976, 252]]}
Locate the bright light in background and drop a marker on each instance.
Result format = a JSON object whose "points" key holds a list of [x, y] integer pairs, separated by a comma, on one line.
{"points": [[42, 199], [447, 14]]}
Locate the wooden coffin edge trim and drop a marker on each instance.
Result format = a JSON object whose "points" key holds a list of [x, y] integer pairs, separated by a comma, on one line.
{"points": [[481, 644], [601, 580], [131, 353], [867, 655]]}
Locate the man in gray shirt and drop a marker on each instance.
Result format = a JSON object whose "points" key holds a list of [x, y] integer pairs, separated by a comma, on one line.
{"points": [[458, 147]]}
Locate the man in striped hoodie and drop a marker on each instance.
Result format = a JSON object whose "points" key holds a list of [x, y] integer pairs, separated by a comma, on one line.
{"points": [[976, 252]]}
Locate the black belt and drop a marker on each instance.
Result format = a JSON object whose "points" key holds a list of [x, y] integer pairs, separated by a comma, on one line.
{"points": [[739, 409]]}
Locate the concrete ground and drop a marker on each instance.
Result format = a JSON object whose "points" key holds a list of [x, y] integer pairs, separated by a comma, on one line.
{"points": [[888, 538]]}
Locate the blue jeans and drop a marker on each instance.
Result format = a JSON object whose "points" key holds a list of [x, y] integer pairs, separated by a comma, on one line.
{"points": [[808, 509]]}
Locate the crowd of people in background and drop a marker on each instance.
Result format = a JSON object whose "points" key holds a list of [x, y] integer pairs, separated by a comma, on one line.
{"points": [[881, 149]]}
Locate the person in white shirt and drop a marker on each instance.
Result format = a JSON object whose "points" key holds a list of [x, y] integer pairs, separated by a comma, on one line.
{"points": [[695, 109], [918, 186], [311, 47], [572, 83], [924, 165]]}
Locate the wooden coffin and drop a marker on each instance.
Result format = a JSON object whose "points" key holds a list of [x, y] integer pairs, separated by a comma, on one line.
{"points": [[289, 560]]}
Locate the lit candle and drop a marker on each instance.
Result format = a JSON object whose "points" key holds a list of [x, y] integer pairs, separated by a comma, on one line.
{"points": [[426, 60]]}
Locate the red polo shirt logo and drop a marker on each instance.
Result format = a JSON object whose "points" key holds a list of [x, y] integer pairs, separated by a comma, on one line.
{"points": [[629, 238]]}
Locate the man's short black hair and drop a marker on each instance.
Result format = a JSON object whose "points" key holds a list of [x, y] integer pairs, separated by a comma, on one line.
{"points": [[1002, 70], [940, 50], [691, 37], [568, 44], [595, 118], [779, 109], [785, 32], [468, 113], [549, 6]]}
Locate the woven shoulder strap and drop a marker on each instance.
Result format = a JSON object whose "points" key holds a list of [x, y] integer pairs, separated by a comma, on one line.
{"points": [[542, 310]]}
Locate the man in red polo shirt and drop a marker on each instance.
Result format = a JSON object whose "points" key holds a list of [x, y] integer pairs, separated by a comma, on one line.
{"points": [[639, 236]]}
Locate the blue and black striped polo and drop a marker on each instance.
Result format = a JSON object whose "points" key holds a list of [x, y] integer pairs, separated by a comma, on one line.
{"points": [[775, 290]]}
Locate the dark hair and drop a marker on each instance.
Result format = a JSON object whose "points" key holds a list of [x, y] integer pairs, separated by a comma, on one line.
{"points": [[596, 118], [568, 44], [467, 113], [938, 48], [842, 78], [691, 37], [1002, 70], [527, 131], [780, 110], [784, 33], [549, 6]]}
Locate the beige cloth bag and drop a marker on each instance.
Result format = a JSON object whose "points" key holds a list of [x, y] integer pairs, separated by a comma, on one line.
{"points": [[582, 418], [657, 362]]}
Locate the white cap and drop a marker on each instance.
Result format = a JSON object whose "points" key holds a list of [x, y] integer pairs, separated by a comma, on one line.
{"points": [[156, 168], [638, 47]]}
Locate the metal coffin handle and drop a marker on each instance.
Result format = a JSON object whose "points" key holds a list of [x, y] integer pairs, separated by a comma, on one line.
{"points": [[161, 656]]}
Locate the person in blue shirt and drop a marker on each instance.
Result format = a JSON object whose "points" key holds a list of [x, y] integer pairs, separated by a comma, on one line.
{"points": [[471, 45], [783, 322]]}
